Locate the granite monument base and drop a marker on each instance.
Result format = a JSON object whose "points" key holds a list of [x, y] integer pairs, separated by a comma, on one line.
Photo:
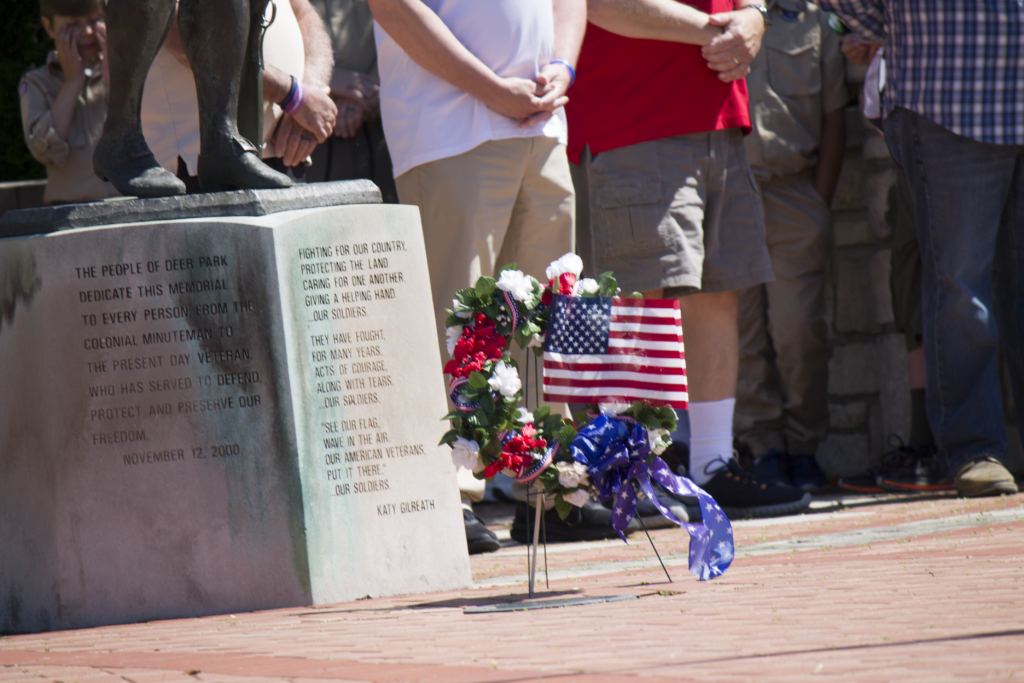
{"points": [[220, 414]]}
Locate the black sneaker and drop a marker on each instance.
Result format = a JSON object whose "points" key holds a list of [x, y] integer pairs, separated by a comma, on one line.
{"points": [[772, 468], [865, 482], [740, 495], [479, 538], [652, 517], [805, 473], [592, 522], [689, 503], [917, 469]]}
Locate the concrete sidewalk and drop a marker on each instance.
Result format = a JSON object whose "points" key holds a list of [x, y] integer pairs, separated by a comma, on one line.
{"points": [[881, 588]]}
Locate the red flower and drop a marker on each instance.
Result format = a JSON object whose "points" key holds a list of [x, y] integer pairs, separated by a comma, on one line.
{"points": [[478, 344], [515, 453]]}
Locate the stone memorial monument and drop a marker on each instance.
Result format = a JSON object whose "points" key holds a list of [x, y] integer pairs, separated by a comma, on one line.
{"points": [[219, 403]]}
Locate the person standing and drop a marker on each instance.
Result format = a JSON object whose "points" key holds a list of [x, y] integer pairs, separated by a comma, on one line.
{"points": [[64, 102], [797, 87], [657, 118], [953, 109], [471, 97], [357, 148]]}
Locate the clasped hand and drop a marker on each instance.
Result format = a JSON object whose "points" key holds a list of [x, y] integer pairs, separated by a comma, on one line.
{"points": [[731, 53], [530, 102]]}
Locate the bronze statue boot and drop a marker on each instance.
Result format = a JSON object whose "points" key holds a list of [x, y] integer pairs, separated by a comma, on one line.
{"points": [[132, 169], [238, 168]]}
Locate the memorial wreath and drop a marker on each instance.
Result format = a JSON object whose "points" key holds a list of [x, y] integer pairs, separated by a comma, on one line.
{"points": [[613, 456]]}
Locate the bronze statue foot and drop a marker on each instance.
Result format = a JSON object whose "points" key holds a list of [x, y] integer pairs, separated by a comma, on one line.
{"points": [[132, 169], [236, 168]]}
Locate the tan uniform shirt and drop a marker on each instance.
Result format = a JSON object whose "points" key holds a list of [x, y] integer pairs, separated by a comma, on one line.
{"points": [[796, 78], [69, 171], [350, 25]]}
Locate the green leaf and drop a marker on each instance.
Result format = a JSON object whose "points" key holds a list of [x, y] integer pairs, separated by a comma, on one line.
{"points": [[467, 297], [455, 414], [449, 437], [511, 266], [564, 508], [566, 434], [484, 288], [634, 295], [607, 284], [487, 403], [541, 412], [477, 381], [649, 420]]}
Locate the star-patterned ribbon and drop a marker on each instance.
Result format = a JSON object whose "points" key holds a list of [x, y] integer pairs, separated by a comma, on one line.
{"points": [[615, 451]]}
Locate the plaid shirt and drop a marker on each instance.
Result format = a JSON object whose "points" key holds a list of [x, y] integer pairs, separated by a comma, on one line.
{"points": [[959, 63]]}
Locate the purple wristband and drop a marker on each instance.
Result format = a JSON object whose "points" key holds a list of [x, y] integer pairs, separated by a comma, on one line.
{"points": [[297, 100]]}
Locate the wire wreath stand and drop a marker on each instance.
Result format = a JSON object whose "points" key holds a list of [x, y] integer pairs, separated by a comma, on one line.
{"points": [[535, 499]]}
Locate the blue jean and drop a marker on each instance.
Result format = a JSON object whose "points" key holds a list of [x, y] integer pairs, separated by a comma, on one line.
{"points": [[969, 209]]}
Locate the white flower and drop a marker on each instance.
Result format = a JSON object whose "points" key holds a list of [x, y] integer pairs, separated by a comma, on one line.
{"points": [[536, 341], [613, 409], [466, 453], [462, 314], [579, 497], [572, 474], [589, 285], [570, 263], [660, 440], [517, 284], [452, 335], [524, 416], [505, 379]]}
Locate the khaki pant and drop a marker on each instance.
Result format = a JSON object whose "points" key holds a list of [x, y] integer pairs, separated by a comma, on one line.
{"points": [[501, 202], [781, 396]]}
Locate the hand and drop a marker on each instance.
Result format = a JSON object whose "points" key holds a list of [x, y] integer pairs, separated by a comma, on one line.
{"points": [[731, 53], [67, 52], [318, 113], [101, 36], [517, 99], [552, 84], [350, 118], [859, 51], [361, 89], [293, 143]]}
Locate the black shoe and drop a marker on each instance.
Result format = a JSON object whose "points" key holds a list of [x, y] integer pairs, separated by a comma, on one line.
{"points": [[865, 482], [915, 469], [237, 168], [740, 495], [128, 165], [652, 517], [592, 522], [772, 468], [479, 538], [805, 473], [689, 503], [677, 457]]}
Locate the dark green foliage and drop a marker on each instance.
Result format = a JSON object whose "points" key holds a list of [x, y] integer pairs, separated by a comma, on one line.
{"points": [[23, 43]]}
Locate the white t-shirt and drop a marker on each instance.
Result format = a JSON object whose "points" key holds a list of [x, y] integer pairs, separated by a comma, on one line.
{"points": [[170, 110], [426, 118]]}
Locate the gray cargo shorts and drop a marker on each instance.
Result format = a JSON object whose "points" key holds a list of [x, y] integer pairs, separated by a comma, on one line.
{"points": [[681, 213]]}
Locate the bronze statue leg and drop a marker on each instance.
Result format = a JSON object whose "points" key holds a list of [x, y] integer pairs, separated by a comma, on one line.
{"points": [[214, 34], [135, 31]]}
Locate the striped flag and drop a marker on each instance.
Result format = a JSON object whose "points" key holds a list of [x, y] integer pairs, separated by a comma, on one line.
{"points": [[614, 350]]}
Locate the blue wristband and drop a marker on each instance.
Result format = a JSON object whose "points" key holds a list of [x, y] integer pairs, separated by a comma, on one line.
{"points": [[567, 65], [291, 94]]}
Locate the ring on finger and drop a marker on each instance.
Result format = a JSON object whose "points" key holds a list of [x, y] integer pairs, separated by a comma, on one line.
{"points": [[304, 138], [737, 60]]}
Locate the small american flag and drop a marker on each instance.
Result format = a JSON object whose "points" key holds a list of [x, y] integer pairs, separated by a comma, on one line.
{"points": [[615, 350]]}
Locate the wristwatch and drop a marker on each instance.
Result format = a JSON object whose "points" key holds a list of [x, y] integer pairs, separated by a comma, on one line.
{"points": [[764, 14]]}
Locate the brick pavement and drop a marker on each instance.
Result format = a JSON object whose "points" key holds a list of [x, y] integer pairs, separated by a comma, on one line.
{"points": [[880, 588]]}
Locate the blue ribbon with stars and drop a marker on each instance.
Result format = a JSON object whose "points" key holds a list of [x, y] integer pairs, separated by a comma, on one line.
{"points": [[615, 452]]}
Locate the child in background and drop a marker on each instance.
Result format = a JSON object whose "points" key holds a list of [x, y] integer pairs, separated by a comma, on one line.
{"points": [[64, 103], [798, 94]]}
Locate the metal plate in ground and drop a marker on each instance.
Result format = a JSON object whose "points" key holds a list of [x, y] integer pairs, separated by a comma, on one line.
{"points": [[525, 605]]}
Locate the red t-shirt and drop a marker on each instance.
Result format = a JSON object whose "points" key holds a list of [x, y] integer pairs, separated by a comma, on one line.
{"points": [[630, 90]]}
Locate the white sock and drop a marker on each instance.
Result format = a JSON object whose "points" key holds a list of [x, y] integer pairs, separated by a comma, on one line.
{"points": [[710, 436]]}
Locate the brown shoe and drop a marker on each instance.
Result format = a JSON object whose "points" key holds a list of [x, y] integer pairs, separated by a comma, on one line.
{"points": [[984, 477]]}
